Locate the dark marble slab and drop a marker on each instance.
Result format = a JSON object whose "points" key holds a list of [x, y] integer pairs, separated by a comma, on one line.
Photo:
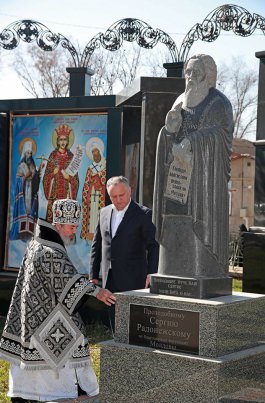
{"points": [[132, 94], [254, 262], [191, 287]]}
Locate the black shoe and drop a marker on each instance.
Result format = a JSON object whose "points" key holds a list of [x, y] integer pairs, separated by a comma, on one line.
{"points": [[81, 392]]}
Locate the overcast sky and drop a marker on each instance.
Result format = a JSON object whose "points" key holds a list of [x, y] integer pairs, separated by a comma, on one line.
{"points": [[81, 20]]}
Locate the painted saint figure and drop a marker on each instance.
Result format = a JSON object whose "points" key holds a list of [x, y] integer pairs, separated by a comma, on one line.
{"points": [[93, 195], [57, 183], [192, 173], [25, 212]]}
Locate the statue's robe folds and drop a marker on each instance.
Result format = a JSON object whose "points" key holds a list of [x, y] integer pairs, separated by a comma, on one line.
{"points": [[194, 234]]}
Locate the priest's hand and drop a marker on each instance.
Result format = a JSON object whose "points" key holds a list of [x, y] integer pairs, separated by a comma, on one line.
{"points": [[106, 296]]}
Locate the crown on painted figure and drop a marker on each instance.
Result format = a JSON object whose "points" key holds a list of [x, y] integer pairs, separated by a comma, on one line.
{"points": [[63, 130]]}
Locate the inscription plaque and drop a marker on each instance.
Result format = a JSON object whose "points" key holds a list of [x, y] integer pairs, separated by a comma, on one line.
{"points": [[175, 286], [179, 174], [164, 328]]}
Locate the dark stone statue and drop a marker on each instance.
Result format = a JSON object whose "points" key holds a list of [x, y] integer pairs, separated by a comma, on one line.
{"points": [[190, 208]]}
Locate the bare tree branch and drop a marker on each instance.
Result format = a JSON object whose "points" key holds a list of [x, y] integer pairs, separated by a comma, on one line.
{"points": [[43, 74], [240, 85]]}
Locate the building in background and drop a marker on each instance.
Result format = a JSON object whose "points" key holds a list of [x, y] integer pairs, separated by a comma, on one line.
{"points": [[241, 186]]}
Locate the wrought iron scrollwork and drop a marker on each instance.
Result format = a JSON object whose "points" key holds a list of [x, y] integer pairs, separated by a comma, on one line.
{"points": [[130, 30], [30, 31], [228, 18]]}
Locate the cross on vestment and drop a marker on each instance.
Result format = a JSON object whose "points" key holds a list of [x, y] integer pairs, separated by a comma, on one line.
{"points": [[57, 335], [95, 194]]}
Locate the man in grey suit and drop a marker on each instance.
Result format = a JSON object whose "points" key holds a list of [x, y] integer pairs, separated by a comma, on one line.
{"points": [[124, 244]]}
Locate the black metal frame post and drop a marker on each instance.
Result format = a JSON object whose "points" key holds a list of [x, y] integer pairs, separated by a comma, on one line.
{"points": [[80, 81]]}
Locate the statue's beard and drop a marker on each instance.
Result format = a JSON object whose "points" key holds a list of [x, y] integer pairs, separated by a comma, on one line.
{"points": [[190, 93], [194, 94]]}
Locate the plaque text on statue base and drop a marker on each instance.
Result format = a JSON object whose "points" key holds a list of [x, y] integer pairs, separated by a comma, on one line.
{"points": [[164, 329], [191, 287]]}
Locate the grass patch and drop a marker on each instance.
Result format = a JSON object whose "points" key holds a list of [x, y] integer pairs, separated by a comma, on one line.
{"points": [[4, 367], [97, 333], [237, 284]]}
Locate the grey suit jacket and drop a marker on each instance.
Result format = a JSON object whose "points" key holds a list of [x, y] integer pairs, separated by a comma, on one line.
{"points": [[131, 254]]}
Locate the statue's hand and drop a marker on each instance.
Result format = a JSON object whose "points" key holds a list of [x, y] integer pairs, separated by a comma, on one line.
{"points": [[174, 119]]}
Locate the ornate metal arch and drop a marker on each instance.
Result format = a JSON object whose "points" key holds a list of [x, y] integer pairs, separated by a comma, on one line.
{"points": [[29, 31], [228, 17], [130, 30]]}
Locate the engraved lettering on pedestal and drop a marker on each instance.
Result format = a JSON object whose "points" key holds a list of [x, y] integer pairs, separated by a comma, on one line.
{"points": [[175, 286]]}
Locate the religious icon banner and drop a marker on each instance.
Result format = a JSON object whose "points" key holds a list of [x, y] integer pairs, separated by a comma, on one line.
{"points": [[55, 157]]}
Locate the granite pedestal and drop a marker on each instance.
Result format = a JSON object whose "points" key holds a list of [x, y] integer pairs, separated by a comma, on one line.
{"points": [[228, 348]]}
